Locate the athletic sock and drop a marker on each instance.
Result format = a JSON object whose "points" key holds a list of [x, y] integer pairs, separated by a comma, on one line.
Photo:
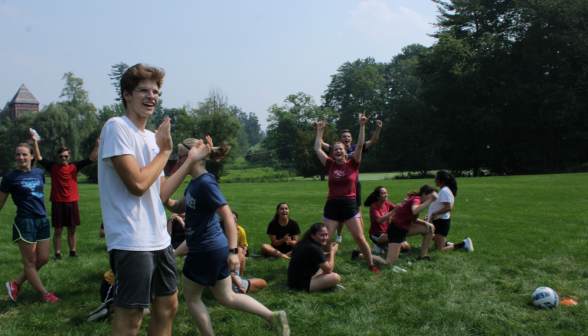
{"points": [[458, 245]]}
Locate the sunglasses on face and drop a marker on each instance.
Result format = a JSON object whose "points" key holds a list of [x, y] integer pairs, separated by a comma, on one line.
{"points": [[63, 156]]}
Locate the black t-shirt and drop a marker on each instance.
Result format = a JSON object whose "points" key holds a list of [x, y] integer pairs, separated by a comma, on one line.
{"points": [[292, 229], [304, 262], [177, 233]]}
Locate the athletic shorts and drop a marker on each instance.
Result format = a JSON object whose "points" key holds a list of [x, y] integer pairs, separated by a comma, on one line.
{"points": [[396, 234], [358, 193], [244, 283], [442, 226], [65, 214], [303, 284], [376, 236], [31, 229], [141, 276], [206, 268], [340, 209]]}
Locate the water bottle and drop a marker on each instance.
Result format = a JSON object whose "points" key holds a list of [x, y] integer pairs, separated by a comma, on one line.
{"points": [[398, 269], [36, 136]]}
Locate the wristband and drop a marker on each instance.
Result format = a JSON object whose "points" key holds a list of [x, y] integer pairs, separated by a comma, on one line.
{"points": [[234, 250]]}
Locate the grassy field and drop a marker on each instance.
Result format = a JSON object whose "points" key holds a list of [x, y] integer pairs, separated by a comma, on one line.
{"points": [[528, 231]]}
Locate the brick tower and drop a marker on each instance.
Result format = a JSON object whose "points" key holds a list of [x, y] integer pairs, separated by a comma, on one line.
{"points": [[23, 102]]}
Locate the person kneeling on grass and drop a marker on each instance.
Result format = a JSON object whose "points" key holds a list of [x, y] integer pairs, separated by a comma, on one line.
{"points": [[405, 223], [106, 296], [380, 212], [309, 269], [212, 255], [283, 233]]}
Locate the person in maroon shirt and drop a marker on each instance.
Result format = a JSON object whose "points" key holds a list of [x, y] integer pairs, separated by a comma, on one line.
{"points": [[380, 212], [64, 194], [406, 223], [341, 203]]}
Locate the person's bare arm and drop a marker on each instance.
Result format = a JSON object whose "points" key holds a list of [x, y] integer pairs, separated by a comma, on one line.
{"points": [[139, 180], [3, 198], [102, 234], [38, 156], [376, 135], [446, 208], [293, 241], [418, 209], [325, 146], [318, 142], [175, 206], [328, 266], [182, 249], [362, 121], [277, 242], [94, 153], [230, 229]]}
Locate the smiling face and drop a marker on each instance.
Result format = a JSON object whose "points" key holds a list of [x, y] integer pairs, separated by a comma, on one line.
{"points": [[383, 197], [339, 152], [321, 237], [346, 139], [63, 157], [23, 157], [283, 211], [142, 101]]}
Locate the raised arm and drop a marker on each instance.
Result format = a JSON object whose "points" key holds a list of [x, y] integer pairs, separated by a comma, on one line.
{"points": [[376, 135], [139, 180], [320, 127], [38, 156], [94, 153], [418, 209], [362, 121], [325, 146]]}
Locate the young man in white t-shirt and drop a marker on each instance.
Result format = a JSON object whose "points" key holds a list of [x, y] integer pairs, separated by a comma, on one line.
{"points": [[130, 173]]}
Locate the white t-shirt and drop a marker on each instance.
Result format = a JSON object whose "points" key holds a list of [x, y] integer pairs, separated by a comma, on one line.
{"points": [[445, 196], [131, 223]]}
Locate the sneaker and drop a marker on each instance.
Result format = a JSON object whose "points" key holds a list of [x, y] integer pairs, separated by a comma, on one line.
{"points": [[448, 244], [13, 290], [99, 314], [338, 239], [469, 246], [73, 254], [57, 257], [374, 269], [280, 323], [49, 297], [338, 288], [424, 258], [355, 254], [378, 250]]}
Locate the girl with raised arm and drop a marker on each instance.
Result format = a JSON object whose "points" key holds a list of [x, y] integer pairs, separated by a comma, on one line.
{"points": [[341, 202], [30, 230], [212, 255]]}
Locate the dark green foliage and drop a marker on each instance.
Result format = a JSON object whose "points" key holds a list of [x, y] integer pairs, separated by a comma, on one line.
{"points": [[117, 71]]}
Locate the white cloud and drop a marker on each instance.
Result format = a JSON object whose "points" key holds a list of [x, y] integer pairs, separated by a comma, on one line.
{"points": [[377, 19]]}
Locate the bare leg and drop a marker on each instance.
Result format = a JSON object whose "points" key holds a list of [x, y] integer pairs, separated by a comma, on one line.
{"points": [[34, 256], [416, 229], [440, 243], [126, 321], [163, 311], [71, 238], [255, 285], [324, 281], [393, 253], [270, 251], [331, 227], [356, 229], [57, 240], [383, 240], [197, 309], [340, 228]]}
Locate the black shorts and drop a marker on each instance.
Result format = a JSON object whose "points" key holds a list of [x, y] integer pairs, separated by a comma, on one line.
{"points": [[358, 193], [141, 276], [376, 236], [65, 214], [340, 209], [442, 226], [303, 284], [206, 268], [284, 248], [396, 234]]}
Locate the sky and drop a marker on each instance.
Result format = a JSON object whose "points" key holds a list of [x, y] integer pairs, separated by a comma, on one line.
{"points": [[256, 52]]}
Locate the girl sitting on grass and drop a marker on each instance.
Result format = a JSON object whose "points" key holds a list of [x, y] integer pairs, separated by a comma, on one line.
{"points": [[30, 230], [405, 223], [380, 212], [283, 233], [212, 255], [308, 258], [439, 213]]}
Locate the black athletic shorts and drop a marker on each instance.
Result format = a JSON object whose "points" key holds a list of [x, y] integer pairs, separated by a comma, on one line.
{"points": [[442, 226], [340, 209], [358, 193], [396, 234], [141, 276], [206, 268], [303, 284]]}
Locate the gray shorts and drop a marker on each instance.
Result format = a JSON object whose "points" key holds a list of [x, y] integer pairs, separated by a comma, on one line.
{"points": [[244, 283], [143, 275]]}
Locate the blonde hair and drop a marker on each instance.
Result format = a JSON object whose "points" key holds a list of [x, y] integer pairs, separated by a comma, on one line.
{"points": [[217, 154]]}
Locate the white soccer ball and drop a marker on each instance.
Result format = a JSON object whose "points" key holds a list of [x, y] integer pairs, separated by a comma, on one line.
{"points": [[545, 297]]}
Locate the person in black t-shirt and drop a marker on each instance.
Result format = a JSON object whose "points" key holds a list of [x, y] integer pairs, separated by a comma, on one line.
{"points": [[176, 229], [309, 269], [283, 233]]}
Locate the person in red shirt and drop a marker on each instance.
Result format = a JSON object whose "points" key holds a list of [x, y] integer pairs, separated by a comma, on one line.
{"points": [[380, 212], [341, 203], [406, 223], [64, 194]]}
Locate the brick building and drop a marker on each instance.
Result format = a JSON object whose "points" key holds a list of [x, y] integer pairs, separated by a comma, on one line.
{"points": [[23, 102]]}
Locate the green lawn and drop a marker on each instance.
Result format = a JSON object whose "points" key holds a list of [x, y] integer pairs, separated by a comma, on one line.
{"points": [[528, 231]]}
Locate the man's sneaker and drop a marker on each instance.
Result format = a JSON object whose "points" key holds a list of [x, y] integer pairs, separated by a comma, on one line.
{"points": [[13, 290], [355, 254], [469, 246], [378, 250], [338, 288], [338, 239], [49, 297], [448, 244], [99, 313], [73, 254], [57, 256], [374, 269], [280, 323]]}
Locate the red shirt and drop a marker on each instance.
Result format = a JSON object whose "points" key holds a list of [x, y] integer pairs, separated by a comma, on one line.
{"points": [[377, 211], [64, 179], [404, 216], [342, 178]]}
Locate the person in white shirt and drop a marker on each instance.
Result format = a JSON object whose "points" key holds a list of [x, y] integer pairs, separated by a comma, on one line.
{"points": [[440, 213], [130, 174]]}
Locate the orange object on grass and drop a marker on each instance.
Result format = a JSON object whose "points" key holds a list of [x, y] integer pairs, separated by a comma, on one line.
{"points": [[569, 302]]}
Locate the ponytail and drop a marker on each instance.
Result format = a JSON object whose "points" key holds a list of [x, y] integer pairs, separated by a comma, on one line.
{"points": [[448, 180], [373, 197], [219, 153], [316, 227]]}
